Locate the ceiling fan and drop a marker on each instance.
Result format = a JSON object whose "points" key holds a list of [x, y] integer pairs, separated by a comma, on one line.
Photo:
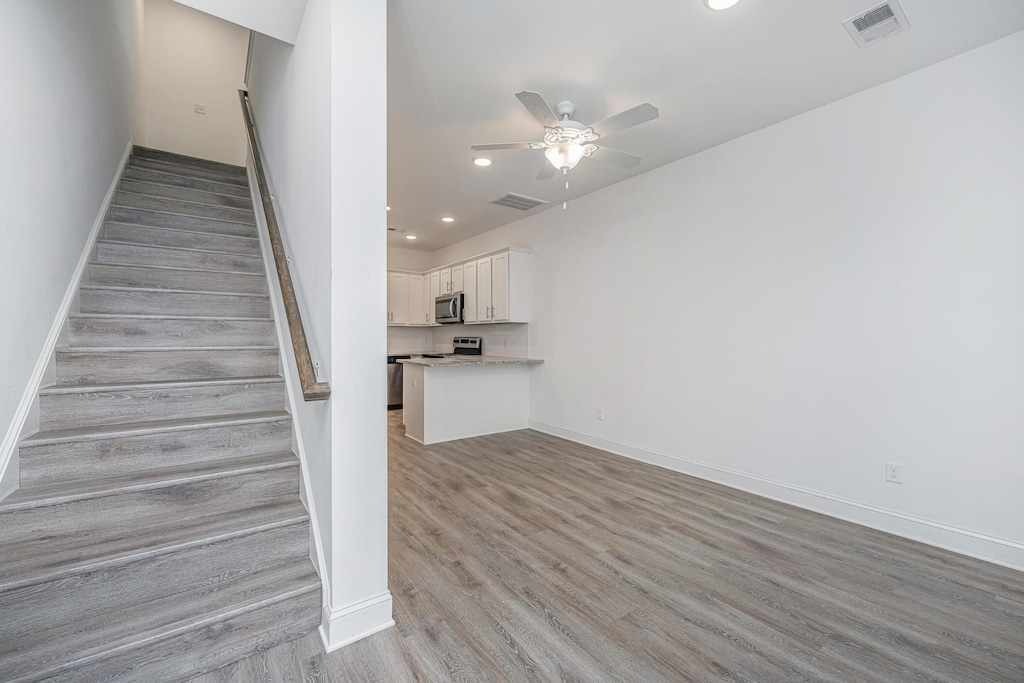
{"points": [[566, 142]]}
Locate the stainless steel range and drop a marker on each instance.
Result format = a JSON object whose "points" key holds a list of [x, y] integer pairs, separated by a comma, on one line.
{"points": [[461, 346]]}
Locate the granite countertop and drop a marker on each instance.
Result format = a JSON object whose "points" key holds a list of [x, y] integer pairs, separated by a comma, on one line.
{"points": [[458, 361]]}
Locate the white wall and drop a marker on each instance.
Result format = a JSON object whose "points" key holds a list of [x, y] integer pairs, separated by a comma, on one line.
{"points": [[279, 19], [333, 223], [191, 58], [409, 259], [788, 311], [68, 81]]}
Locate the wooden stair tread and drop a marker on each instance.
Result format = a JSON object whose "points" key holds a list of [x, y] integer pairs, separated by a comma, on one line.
{"points": [[149, 349], [115, 550], [181, 249], [191, 171], [66, 492], [151, 427], [198, 271], [156, 384], [150, 316], [96, 637], [139, 151], [140, 226], [184, 181]]}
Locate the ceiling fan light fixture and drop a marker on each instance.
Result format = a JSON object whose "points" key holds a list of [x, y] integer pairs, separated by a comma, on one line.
{"points": [[565, 155], [720, 4], [482, 161], [410, 237]]}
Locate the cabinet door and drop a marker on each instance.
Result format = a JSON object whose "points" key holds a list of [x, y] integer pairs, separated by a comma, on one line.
{"points": [[398, 298], [446, 281], [483, 290], [469, 293], [434, 291], [457, 278], [499, 287], [417, 309]]}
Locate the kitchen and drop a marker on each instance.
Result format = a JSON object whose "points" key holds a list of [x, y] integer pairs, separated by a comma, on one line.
{"points": [[439, 324]]}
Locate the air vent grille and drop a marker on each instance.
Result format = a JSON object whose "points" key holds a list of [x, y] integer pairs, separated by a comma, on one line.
{"points": [[876, 23], [518, 201]]}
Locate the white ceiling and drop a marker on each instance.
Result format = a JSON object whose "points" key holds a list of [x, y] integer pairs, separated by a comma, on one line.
{"points": [[454, 68]]}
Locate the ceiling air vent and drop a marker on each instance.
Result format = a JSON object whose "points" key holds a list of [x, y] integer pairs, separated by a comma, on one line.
{"points": [[876, 23], [518, 201]]}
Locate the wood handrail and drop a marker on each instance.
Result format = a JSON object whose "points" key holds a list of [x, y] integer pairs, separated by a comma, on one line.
{"points": [[312, 390]]}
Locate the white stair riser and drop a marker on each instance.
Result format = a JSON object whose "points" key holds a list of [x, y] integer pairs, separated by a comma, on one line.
{"points": [[105, 332], [87, 459], [69, 410], [142, 255]]}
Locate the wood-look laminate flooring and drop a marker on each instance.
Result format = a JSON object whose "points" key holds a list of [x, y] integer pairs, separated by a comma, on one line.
{"points": [[523, 557]]}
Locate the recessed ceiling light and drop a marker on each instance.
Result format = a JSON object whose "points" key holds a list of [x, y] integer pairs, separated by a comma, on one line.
{"points": [[410, 237], [387, 208], [720, 4], [448, 219], [482, 161]]}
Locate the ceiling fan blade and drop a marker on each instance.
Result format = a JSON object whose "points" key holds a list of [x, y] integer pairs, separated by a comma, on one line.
{"points": [[614, 156], [641, 113], [509, 145], [547, 171], [538, 107]]}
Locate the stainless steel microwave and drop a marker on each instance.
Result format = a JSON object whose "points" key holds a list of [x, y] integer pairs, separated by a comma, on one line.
{"points": [[448, 308]]}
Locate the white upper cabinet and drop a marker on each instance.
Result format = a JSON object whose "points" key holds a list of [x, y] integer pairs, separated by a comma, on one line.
{"points": [[398, 298], [503, 287], [452, 279], [495, 287], [469, 295], [418, 300]]}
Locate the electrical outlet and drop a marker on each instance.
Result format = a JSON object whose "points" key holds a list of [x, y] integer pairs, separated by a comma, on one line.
{"points": [[600, 413], [894, 473], [199, 108]]}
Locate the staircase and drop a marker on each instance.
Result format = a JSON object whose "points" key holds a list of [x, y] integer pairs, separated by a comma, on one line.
{"points": [[157, 533]]}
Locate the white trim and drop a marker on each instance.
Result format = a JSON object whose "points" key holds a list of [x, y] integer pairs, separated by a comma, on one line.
{"points": [[999, 551], [355, 622], [288, 361], [20, 424]]}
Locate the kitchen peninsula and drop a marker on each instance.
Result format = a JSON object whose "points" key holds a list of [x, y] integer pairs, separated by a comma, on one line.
{"points": [[462, 396]]}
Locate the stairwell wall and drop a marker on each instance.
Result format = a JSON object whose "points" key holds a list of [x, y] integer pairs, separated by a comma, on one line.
{"points": [[333, 226], [69, 70]]}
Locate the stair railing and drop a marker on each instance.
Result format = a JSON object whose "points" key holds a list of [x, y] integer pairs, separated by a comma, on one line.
{"points": [[312, 390]]}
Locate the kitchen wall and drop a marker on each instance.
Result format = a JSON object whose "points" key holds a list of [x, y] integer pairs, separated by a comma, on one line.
{"points": [[808, 302], [68, 75], [410, 259]]}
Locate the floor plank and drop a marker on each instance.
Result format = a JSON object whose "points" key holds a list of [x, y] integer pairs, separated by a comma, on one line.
{"points": [[522, 557]]}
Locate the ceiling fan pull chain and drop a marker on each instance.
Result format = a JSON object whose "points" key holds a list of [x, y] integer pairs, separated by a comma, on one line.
{"points": [[565, 198]]}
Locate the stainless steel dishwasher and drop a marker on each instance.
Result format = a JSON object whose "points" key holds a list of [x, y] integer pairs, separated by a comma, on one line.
{"points": [[395, 381]]}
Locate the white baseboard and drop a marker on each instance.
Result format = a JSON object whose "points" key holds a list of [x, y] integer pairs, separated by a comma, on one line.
{"points": [[21, 425], [355, 622], [983, 547]]}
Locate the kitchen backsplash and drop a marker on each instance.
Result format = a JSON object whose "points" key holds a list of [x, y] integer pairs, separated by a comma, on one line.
{"points": [[506, 339], [410, 340]]}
